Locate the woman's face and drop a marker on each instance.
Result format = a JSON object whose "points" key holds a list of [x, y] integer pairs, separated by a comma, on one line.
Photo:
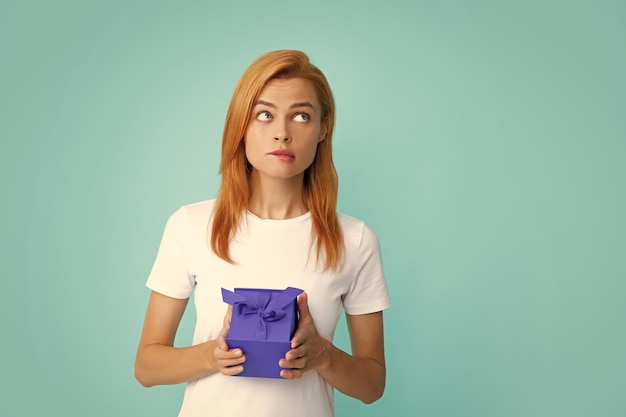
{"points": [[284, 129]]}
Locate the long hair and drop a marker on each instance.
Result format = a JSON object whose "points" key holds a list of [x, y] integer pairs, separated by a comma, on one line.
{"points": [[320, 179]]}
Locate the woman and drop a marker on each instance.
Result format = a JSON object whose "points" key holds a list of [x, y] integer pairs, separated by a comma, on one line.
{"points": [[274, 224]]}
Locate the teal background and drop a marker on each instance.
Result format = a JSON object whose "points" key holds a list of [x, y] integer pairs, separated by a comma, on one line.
{"points": [[483, 141]]}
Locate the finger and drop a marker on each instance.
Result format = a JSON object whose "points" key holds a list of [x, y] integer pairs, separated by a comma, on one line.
{"points": [[232, 370], [298, 339], [299, 363], [228, 354], [305, 319], [228, 315], [303, 306], [221, 339], [295, 353], [230, 361], [301, 336], [291, 373]]}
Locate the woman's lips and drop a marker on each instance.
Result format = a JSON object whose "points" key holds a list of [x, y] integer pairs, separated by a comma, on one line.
{"points": [[283, 155]]}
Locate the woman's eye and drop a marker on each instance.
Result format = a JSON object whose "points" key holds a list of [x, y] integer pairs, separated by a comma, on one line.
{"points": [[301, 117], [264, 115]]}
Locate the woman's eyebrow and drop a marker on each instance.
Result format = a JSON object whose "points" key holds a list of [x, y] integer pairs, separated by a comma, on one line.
{"points": [[264, 103], [300, 104]]}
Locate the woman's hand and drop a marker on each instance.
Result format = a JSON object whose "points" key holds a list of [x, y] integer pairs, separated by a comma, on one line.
{"points": [[360, 375], [308, 349], [223, 359], [158, 362]]}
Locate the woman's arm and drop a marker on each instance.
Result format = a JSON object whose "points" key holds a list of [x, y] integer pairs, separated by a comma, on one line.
{"points": [[159, 362], [360, 375]]}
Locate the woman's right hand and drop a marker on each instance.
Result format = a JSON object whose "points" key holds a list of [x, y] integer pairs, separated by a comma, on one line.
{"points": [[158, 362], [225, 360]]}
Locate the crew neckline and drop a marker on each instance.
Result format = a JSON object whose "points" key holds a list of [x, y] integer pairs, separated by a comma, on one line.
{"points": [[253, 217]]}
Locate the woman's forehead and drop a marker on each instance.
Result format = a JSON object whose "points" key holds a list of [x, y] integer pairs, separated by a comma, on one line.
{"points": [[289, 91]]}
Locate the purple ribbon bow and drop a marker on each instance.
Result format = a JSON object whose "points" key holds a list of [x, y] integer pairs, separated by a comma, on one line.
{"points": [[269, 306]]}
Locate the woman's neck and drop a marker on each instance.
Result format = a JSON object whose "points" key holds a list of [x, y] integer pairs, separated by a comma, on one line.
{"points": [[277, 199]]}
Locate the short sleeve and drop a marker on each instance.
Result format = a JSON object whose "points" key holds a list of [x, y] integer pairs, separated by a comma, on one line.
{"points": [[170, 273], [368, 291]]}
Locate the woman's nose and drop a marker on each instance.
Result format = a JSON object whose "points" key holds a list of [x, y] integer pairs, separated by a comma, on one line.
{"points": [[282, 133]]}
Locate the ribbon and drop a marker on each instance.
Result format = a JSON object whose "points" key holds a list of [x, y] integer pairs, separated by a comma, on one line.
{"points": [[268, 307]]}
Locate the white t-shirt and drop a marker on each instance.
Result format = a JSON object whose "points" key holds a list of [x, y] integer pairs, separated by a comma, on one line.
{"points": [[269, 254]]}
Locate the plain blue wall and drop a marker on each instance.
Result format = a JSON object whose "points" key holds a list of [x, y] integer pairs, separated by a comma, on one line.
{"points": [[484, 141]]}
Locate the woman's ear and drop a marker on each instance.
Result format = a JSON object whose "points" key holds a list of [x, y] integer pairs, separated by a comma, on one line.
{"points": [[323, 133]]}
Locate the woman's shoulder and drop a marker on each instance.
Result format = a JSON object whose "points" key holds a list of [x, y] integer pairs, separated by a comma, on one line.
{"points": [[356, 231], [200, 207], [193, 213], [347, 221]]}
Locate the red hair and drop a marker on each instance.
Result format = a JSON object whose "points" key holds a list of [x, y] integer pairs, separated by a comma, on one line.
{"points": [[320, 179]]}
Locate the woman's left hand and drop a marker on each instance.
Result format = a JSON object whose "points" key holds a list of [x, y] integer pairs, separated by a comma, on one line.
{"points": [[308, 349]]}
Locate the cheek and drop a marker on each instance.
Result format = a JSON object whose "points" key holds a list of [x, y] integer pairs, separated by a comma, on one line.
{"points": [[250, 140], [253, 136], [249, 148], [311, 151]]}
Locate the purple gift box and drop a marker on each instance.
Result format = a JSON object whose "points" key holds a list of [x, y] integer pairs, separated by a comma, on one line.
{"points": [[262, 325]]}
